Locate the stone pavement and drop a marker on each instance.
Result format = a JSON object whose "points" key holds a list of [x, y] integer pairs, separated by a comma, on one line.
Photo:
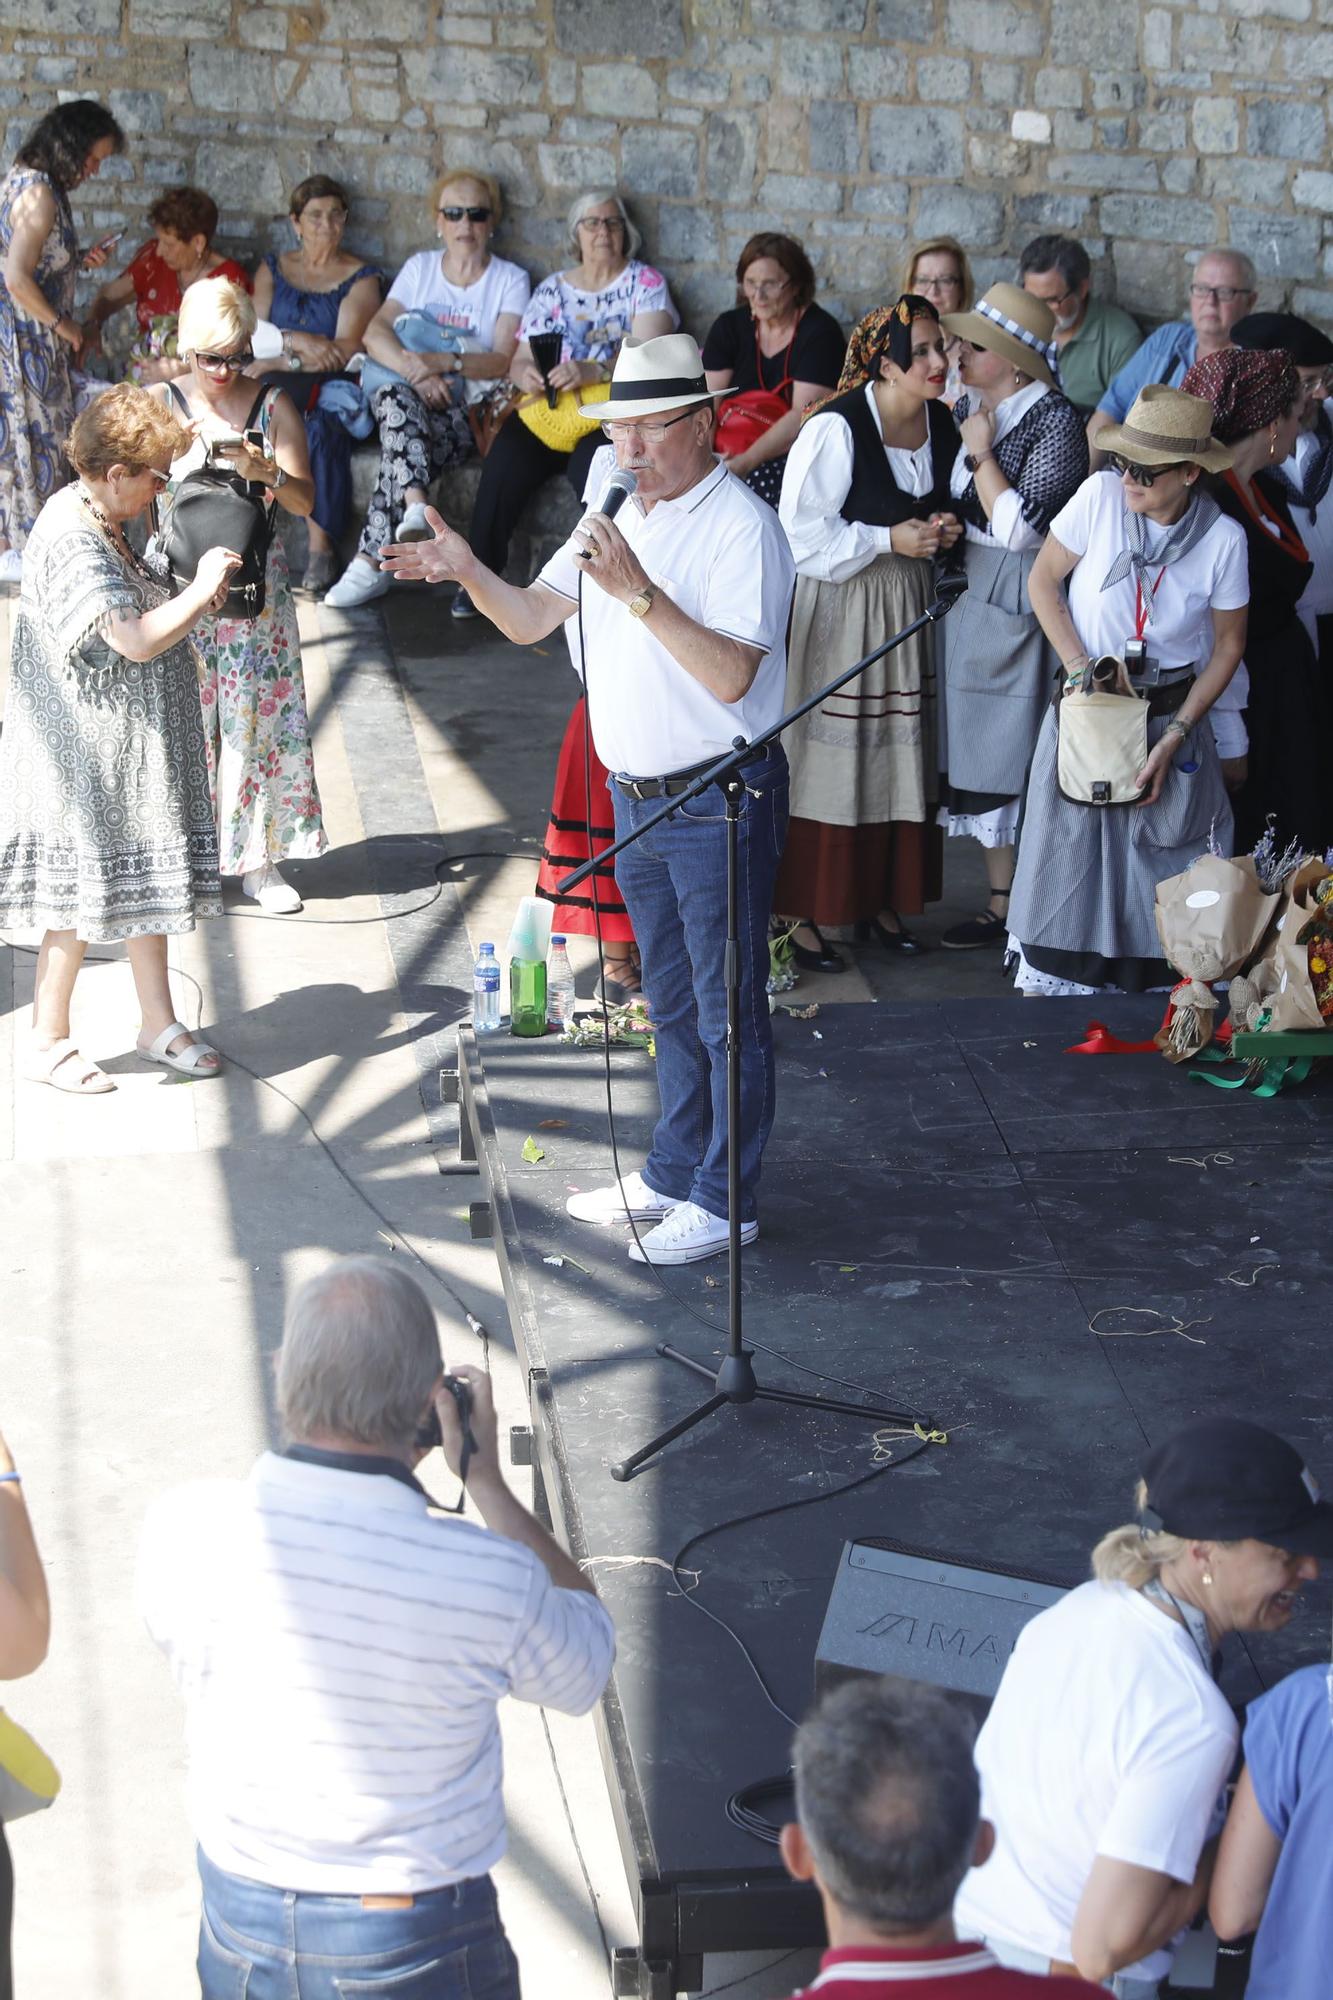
{"points": [[149, 1239]]}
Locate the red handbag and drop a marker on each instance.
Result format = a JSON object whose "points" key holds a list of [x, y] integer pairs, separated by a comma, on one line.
{"points": [[743, 418]]}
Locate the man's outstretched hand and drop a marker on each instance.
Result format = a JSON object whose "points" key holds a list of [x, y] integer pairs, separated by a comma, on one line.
{"points": [[445, 559]]}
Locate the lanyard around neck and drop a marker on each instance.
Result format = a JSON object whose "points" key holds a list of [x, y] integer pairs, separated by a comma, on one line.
{"points": [[1140, 607], [1190, 1617]]}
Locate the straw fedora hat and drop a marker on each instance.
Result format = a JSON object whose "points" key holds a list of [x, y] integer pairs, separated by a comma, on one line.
{"points": [[1166, 427], [654, 376], [1009, 321]]}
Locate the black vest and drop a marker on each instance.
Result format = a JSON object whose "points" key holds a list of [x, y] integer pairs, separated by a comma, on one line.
{"points": [[874, 497]]}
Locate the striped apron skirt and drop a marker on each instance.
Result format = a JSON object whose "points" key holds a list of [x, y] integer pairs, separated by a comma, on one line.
{"points": [[997, 676]]}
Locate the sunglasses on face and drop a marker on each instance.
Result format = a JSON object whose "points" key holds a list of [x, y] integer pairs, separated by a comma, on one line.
{"points": [[472, 214], [233, 363], [1142, 475], [649, 433]]}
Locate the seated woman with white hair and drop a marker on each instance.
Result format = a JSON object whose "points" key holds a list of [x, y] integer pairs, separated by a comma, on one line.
{"points": [[255, 722]]}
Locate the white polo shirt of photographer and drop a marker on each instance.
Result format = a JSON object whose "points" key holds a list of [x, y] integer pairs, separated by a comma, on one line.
{"points": [[719, 553]]}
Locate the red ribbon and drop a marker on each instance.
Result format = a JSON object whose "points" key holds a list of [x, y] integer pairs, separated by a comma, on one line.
{"points": [[1101, 1042]]}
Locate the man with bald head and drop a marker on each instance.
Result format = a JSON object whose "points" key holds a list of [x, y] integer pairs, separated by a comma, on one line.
{"points": [[1222, 290]]}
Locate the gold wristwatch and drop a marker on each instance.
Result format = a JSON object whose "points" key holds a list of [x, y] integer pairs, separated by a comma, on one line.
{"points": [[640, 606]]}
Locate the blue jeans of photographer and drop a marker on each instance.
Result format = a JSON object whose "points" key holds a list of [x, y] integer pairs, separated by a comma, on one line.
{"points": [[674, 882], [261, 1943]]}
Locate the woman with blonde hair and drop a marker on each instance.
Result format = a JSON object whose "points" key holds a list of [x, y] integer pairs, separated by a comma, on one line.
{"points": [[106, 831], [938, 270], [1108, 1743], [253, 692]]}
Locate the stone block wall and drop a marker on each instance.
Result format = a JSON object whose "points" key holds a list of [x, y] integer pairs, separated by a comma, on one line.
{"points": [[1146, 127]]}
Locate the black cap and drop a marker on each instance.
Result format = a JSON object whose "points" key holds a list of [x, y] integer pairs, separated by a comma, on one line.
{"points": [[1307, 346], [1225, 1480]]}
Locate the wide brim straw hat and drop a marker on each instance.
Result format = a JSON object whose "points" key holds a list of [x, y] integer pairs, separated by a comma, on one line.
{"points": [[1010, 322], [652, 377], [1166, 427]]}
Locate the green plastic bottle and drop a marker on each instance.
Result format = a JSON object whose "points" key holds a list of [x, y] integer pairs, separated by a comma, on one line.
{"points": [[527, 996]]}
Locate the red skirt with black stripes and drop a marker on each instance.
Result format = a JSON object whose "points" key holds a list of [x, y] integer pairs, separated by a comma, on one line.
{"points": [[570, 841]]}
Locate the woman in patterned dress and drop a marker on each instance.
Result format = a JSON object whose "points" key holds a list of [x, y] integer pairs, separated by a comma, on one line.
{"points": [[323, 297], [106, 830], [258, 734], [38, 335]]}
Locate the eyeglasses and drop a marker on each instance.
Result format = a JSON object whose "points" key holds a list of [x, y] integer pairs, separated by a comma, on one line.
{"points": [[1314, 379], [600, 222], [472, 214], [924, 285], [233, 363], [1057, 301], [1223, 294], [1142, 475], [650, 433], [766, 288]]}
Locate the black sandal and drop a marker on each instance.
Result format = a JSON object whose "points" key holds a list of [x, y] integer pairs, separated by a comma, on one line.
{"points": [[825, 959], [900, 940], [988, 928]]}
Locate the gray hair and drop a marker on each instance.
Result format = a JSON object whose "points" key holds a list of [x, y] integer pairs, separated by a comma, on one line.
{"points": [[888, 1797], [1056, 253], [1244, 266], [360, 1354], [594, 199]]}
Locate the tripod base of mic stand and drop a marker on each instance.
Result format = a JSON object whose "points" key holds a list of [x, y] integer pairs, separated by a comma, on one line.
{"points": [[734, 1382]]}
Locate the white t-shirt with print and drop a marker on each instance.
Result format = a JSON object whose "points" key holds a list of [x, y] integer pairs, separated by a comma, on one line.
{"points": [[1215, 575], [1106, 1736], [421, 286], [594, 323]]}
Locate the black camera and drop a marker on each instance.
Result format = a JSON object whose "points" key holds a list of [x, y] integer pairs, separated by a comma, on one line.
{"points": [[429, 1434], [1136, 656]]}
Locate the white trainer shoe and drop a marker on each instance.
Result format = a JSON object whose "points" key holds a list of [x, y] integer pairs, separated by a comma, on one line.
{"points": [[272, 891], [359, 583], [629, 1199], [11, 566], [414, 527], [687, 1234]]}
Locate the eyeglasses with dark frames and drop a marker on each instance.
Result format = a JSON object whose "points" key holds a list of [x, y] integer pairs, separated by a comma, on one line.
{"points": [[650, 433], [1142, 475], [235, 364], [601, 222], [1223, 294], [452, 214]]}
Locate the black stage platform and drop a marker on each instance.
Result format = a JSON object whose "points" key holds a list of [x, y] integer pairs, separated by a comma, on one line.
{"points": [[949, 1200]]}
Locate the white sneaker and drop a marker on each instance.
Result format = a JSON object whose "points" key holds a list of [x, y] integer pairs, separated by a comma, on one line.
{"points": [[272, 891], [688, 1234], [358, 584], [11, 566], [627, 1199], [414, 527]]}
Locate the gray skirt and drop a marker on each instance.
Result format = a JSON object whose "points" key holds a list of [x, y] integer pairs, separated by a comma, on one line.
{"points": [[997, 675], [1087, 876]]}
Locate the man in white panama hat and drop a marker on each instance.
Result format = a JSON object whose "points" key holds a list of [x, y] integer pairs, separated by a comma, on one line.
{"points": [[676, 614]]}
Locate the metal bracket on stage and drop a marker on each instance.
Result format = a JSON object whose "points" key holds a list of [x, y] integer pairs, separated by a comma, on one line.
{"points": [[453, 1090]]}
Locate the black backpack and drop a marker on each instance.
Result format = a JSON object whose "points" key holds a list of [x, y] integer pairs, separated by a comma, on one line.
{"points": [[212, 508]]}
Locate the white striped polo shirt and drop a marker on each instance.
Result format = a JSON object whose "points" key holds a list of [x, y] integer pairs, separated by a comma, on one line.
{"points": [[341, 1651]]}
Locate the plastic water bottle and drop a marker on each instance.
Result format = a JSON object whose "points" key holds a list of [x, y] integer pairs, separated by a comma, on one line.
{"points": [[486, 991], [559, 986]]}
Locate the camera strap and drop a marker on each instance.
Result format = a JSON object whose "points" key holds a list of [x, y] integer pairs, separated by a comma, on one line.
{"points": [[377, 1465]]}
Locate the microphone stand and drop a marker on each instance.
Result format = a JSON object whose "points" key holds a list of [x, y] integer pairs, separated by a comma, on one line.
{"points": [[735, 1381]]}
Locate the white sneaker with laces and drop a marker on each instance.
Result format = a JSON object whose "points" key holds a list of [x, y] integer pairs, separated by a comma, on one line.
{"points": [[11, 566], [414, 527], [629, 1199], [272, 891], [687, 1234], [358, 584]]}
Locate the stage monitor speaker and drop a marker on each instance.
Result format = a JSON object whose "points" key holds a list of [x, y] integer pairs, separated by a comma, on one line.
{"points": [[919, 1617]]}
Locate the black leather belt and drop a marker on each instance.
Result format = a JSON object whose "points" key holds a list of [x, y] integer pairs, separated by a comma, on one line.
{"points": [[1164, 697], [676, 782]]}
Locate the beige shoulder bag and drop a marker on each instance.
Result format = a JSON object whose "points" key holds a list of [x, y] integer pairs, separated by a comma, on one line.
{"points": [[1101, 738]]}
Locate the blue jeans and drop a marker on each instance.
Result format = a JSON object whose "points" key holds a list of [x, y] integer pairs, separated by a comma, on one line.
{"points": [[259, 1943], [674, 882]]}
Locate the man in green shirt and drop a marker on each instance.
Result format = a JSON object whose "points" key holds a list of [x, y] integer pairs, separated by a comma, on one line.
{"points": [[1095, 340]]}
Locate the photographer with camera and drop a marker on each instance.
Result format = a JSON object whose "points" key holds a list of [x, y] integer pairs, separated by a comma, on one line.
{"points": [[342, 1647]]}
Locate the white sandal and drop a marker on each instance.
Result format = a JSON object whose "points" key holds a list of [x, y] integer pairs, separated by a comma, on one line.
{"points": [[84, 1080], [190, 1061]]}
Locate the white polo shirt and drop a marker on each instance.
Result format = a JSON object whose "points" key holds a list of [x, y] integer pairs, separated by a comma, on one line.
{"points": [[719, 553], [341, 1651], [1106, 1736]]}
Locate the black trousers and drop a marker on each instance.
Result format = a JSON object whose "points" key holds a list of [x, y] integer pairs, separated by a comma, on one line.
{"points": [[511, 472]]}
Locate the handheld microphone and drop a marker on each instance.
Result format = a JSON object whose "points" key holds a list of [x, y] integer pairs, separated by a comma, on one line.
{"points": [[618, 489]]}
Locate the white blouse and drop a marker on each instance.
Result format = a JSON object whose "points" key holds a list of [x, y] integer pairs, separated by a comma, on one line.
{"points": [[1007, 526], [816, 483]]}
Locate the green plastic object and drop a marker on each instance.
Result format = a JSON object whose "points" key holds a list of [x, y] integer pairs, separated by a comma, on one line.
{"points": [[527, 996]]}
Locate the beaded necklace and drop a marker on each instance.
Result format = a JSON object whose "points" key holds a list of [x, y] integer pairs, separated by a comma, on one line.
{"points": [[106, 527]]}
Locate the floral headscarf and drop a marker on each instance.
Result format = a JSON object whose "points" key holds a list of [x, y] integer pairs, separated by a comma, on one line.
{"points": [[885, 330], [1249, 388]]}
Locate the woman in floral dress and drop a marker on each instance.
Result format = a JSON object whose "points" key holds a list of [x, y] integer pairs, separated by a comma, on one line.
{"points": [[38, 335], [255, 723]]}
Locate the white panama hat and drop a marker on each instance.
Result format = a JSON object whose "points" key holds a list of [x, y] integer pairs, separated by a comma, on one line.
{"points": [[654, 376]]}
